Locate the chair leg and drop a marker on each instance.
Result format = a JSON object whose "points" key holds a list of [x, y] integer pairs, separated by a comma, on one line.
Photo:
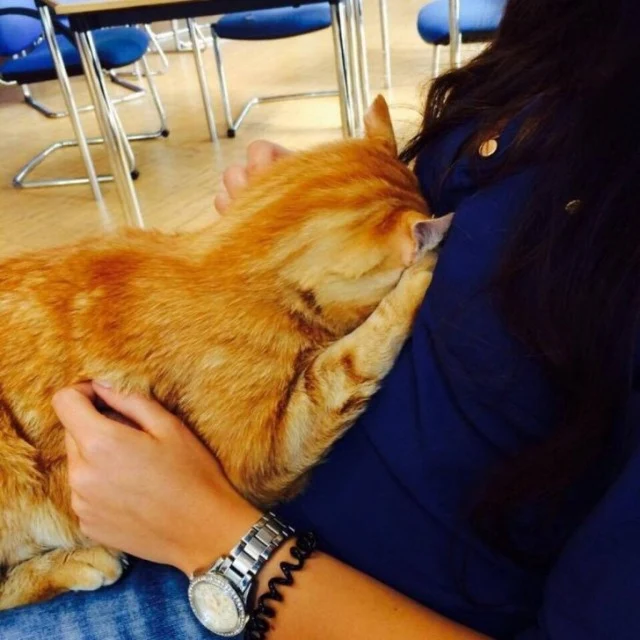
{"points": [[20, 180], [224, 90], [234, 125], [154, 47], [436, 61], [137, 93], [124, 140], [153, 90], [38, 106], [386, 44], [65, 86], [155, 44], [342, 62], [202, 79]]}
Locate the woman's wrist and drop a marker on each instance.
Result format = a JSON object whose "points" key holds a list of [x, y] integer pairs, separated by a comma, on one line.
{"points": [[216, 532]]}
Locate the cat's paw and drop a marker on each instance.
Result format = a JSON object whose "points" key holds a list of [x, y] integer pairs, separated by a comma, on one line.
{"points": [[89, 569], [414, 283]]}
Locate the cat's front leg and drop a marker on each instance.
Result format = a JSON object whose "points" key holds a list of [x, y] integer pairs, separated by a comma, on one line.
{"points": [[57, 571], [335, 387]]}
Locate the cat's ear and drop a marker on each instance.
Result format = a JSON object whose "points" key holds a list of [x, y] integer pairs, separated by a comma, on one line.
{"points": [[423, 235], [378, 125]]}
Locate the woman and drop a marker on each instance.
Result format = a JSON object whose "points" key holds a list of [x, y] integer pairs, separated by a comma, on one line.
{"points": [[494, 482]]}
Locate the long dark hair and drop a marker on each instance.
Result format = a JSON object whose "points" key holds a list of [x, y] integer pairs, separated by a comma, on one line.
{"points": [[569, 286]]}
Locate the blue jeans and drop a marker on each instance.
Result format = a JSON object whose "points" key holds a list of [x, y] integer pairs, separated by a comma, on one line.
{"points": [[148, 603]]}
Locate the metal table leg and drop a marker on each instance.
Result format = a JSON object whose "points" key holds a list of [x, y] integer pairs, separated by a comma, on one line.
{"points": [[386, 43], [202, 78], [353, 79], [455, 38], [109, 126], [341, 51], [361, 56], [65, 86], [175, 28]]}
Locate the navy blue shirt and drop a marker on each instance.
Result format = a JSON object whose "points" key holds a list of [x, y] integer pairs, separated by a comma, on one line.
{"points": [[392, 497]]}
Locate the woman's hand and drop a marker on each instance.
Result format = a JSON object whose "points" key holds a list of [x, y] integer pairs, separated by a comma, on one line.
{"points": [[155, 492], [261, 154]]}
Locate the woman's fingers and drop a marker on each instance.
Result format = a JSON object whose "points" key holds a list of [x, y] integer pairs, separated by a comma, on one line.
{"points": [[76, 410], [222, 202], [261, 154], [146, 412], [235, 180], [73, 451]]}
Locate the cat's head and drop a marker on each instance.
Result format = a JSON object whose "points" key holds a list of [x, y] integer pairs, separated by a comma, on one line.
{"points": [[341, 221]]}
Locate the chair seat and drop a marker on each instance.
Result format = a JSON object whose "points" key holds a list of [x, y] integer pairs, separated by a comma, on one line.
{"points": [[272, 24], [116, 48], [18, 33], [479, 19]]}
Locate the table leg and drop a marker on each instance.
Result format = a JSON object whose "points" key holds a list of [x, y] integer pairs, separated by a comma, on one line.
{"points": [[202, 78], [65, 86], [386, 43], [455, 38], [353, 81], [341, 52], [175, 28], [109, 126], [362, 58]]}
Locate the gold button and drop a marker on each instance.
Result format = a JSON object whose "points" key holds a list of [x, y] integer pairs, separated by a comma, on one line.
{"points": [[573, 206], [488, 148]]}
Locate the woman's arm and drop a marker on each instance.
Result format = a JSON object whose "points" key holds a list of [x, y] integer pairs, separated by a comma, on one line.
{"points": [[157, 493], [332, 601]]}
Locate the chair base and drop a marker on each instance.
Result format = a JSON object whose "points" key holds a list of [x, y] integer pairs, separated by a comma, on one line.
{"points": [[234, 126], [154, 45], [20, 180], [179, 44], [137, 93]]}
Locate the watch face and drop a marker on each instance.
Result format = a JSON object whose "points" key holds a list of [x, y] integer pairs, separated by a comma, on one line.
{"points": [[217, 605]]}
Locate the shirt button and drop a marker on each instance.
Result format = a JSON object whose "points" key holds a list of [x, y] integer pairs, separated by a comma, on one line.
{"points": [[488, 148], [573, 206]]}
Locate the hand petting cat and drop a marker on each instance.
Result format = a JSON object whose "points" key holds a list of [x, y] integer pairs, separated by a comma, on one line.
{"points": [[261, 154], [154, 492]]}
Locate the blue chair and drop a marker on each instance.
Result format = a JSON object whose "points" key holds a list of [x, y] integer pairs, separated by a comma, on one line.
{"points": [[266, 24], [39, 61], [479, 20], [31, 63], [18, 32]]}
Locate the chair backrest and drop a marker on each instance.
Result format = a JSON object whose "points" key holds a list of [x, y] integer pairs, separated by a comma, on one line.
{"points": [[17, 32]]}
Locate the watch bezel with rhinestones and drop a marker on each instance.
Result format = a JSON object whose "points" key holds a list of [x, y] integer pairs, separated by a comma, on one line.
{"points": [[226, 589]]}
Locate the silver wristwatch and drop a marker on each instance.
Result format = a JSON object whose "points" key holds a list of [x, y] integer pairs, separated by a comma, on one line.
{"points": [[219, 596]]}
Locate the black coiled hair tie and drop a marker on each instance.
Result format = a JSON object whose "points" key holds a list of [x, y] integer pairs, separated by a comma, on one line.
{"points": [[258, 625]]}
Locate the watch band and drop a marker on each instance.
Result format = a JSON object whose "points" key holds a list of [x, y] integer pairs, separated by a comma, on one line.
{"points": [[250, 554]]}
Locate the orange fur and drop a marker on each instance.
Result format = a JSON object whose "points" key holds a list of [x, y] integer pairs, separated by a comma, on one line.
{"points": [[266, 333]]}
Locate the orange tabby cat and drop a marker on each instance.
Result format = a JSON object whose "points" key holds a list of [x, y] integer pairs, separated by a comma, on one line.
{"points": [[266, 333]]}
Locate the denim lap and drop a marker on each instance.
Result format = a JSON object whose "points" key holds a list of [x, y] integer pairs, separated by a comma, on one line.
{"points": [[148, 603]]}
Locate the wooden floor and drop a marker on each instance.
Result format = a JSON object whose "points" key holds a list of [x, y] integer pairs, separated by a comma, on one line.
{"points": [[180, 174]]}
